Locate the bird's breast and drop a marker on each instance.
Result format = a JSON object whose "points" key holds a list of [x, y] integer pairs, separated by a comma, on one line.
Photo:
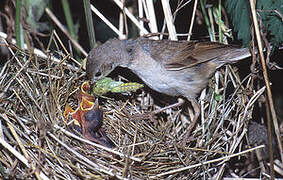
{"points": [[173, 83], [187, 82]]}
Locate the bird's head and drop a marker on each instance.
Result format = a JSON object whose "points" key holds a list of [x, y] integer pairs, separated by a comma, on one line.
{"points": [[103, 59]]}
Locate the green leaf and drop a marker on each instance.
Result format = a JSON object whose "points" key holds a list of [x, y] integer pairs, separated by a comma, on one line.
{"points": [[239, 11], [34, 10]]}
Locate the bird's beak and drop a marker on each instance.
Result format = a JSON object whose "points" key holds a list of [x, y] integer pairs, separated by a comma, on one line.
{"points": [[94, 80]]}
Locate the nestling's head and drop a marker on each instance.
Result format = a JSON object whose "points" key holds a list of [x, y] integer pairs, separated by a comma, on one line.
{"points": [[103, 59]]}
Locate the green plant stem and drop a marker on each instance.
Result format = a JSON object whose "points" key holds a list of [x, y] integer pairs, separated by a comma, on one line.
{"points": [[206, 19], [89, 23], [19, 28], [69, 19], [219, 20]]}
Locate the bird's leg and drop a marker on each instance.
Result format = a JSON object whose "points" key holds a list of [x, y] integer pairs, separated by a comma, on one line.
{"points": [[177, 104], [196, 109]]}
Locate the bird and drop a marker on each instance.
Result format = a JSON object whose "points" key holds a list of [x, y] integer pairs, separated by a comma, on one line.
{"points": [[175, 68], [92, 127]]}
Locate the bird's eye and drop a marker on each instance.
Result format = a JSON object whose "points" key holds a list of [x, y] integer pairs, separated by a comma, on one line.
{"points": [[98, 74], [129, 50]]}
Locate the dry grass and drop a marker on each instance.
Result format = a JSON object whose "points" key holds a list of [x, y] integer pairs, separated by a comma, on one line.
{"points": [[39, 141]]}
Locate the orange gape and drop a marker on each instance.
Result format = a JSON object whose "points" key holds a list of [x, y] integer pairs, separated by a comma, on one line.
{"points": [[89, 117]]}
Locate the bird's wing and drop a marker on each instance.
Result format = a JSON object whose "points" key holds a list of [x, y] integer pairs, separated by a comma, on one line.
{"points": [[196, 53], [177, 55]]}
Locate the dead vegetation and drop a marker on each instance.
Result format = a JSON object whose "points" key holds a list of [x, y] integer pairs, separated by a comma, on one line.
{"points": [[38, 142]]}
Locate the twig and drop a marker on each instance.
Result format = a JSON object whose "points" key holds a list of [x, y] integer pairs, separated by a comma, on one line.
{"points": [[207, 162], [140, 10], [269, 94], [19, 155], [38, 53], [97, 145], [97, 167], [192, 20], [132, 17], [107, 22], [169, 19], [64, 30], [152, 18]]}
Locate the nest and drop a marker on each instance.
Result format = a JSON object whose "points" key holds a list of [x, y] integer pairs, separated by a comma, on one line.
{"points": [[39, 142]]}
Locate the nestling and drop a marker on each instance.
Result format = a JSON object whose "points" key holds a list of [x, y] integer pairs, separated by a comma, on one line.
{"points": [[175, 68]]}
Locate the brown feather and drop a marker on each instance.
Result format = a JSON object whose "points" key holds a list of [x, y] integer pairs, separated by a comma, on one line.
{"points": [[178, 55]]}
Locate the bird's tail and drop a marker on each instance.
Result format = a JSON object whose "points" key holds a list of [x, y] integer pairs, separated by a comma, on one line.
{"points": [[233, 56]]}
